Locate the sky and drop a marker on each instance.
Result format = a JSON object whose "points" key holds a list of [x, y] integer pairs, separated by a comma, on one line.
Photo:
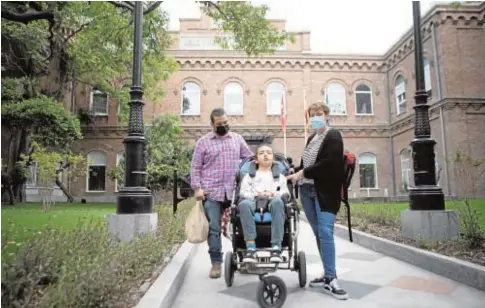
{"points": [[368, 27]]}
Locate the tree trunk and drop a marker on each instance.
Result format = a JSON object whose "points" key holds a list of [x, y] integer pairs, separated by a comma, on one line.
{"points": [[70, 198]]}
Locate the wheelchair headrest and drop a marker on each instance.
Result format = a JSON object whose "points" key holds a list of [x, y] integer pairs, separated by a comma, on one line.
{"points": [[250, 168], [274, 168]]}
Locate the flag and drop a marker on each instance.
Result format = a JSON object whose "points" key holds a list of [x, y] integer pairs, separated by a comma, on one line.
{"points": [[307, 121], [283, 114]]}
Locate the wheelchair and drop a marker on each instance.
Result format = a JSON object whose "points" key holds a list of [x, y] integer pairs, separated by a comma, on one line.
{"points": [[272, 291]]}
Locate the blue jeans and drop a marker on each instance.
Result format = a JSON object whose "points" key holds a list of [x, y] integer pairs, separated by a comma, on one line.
{"points": [[322, 224], [213, 212], [277, 210]]}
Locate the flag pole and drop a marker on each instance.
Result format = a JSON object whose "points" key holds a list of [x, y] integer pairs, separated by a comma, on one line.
{"points": [[284, 131], [304, 115]]}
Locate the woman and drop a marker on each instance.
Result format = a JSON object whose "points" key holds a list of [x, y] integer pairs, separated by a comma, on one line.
{"points": [[321, 174]]}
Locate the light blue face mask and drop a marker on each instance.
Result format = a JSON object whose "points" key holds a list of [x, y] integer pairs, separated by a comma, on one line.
{"points": [[317, 122]]}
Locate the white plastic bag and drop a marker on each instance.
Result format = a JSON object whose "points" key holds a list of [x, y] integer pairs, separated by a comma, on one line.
{"points": [[196, 225]]}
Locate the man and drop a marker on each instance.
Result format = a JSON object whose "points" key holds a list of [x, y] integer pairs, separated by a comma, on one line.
{"points": [[214, 165]]}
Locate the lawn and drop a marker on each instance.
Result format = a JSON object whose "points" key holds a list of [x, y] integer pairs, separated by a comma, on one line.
{"points": [[22, 221], [395, 209]]}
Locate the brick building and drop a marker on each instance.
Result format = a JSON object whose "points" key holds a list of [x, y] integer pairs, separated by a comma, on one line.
{"points": [[371, 100]]}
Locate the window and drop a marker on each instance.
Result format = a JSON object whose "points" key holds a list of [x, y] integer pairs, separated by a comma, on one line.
{"points": [[205, 42], [368, 170], [275, 92], [405, 169], [190, 99], [427, 78], [99, 102], [233, 99], [32, 174], [120, 157], [363, 100], [96, 177], [400, 90], [335, 99]]}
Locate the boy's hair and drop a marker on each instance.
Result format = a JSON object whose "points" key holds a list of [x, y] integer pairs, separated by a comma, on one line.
{"points": [[263, 145]]}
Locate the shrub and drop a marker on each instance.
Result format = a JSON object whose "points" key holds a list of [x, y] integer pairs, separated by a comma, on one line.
{"points": [[84, 267]]}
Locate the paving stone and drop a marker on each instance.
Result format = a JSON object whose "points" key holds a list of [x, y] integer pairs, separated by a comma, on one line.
{"points": [[423, 284], [360, 256]]}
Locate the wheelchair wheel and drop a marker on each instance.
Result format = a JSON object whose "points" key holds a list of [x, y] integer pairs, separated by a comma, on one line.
{"points": [[229, 268], [302, 269], [271, 292]]}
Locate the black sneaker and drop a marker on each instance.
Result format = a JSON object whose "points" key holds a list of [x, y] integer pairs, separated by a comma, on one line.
{"points": [[331, 287], [317, 282], [276, 256], [249, 256]]}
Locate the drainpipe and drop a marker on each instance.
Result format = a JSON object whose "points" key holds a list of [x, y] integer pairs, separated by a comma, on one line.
{"points": [[391, 140], [439, 78]]}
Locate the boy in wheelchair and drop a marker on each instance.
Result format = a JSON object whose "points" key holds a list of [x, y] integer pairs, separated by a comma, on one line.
{"points": [[263, 191]]}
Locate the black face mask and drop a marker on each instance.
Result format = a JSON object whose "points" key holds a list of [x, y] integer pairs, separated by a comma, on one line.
{"points": [[221, 130]]}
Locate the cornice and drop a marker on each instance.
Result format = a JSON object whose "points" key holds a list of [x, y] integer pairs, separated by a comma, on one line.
{"points": [[221, 63], [465, 15], [292, 131], [439, 15], [471, 105]]}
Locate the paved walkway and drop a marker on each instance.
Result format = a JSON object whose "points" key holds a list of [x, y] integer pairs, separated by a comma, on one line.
{"points": [[370, 278]]}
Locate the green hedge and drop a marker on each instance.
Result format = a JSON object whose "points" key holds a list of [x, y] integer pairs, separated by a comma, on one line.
{"points": [[83, 267]]}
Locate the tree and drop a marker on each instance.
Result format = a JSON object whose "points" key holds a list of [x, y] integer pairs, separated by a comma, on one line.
{"points": [[30, 122], [166, 152], [47, 47], [49, 165]]}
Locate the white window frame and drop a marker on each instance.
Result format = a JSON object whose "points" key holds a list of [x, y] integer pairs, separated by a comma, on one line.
{"points": [[203, 41], [400, 94], [32, 181], [91, 102], [406, 172], [371, 100], [269, 108], [119, 156], [329, 89], [105, 171], [240, 91], [363, 160], [198, 92]]}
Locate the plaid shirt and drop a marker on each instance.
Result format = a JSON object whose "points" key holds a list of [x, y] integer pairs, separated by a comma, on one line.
{"points": [[215, 163]]}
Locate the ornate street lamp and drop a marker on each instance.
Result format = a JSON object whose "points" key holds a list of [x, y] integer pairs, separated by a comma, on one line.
{"points": [[135, 197], [426, 195]]}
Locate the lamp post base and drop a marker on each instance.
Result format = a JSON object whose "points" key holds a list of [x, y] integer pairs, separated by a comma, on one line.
{"points": [[127, 227], [135, 200], [430, 225], [426, 198]]}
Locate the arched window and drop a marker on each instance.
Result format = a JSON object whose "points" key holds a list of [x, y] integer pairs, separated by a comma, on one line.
{"points": [[190, 99], [275, 93], [405, 169], [233, 99], [368, 170], [96, 176], [400, 91], [363, 100], [335, 98], [120, 158], [427, 78], [99, 102]]}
